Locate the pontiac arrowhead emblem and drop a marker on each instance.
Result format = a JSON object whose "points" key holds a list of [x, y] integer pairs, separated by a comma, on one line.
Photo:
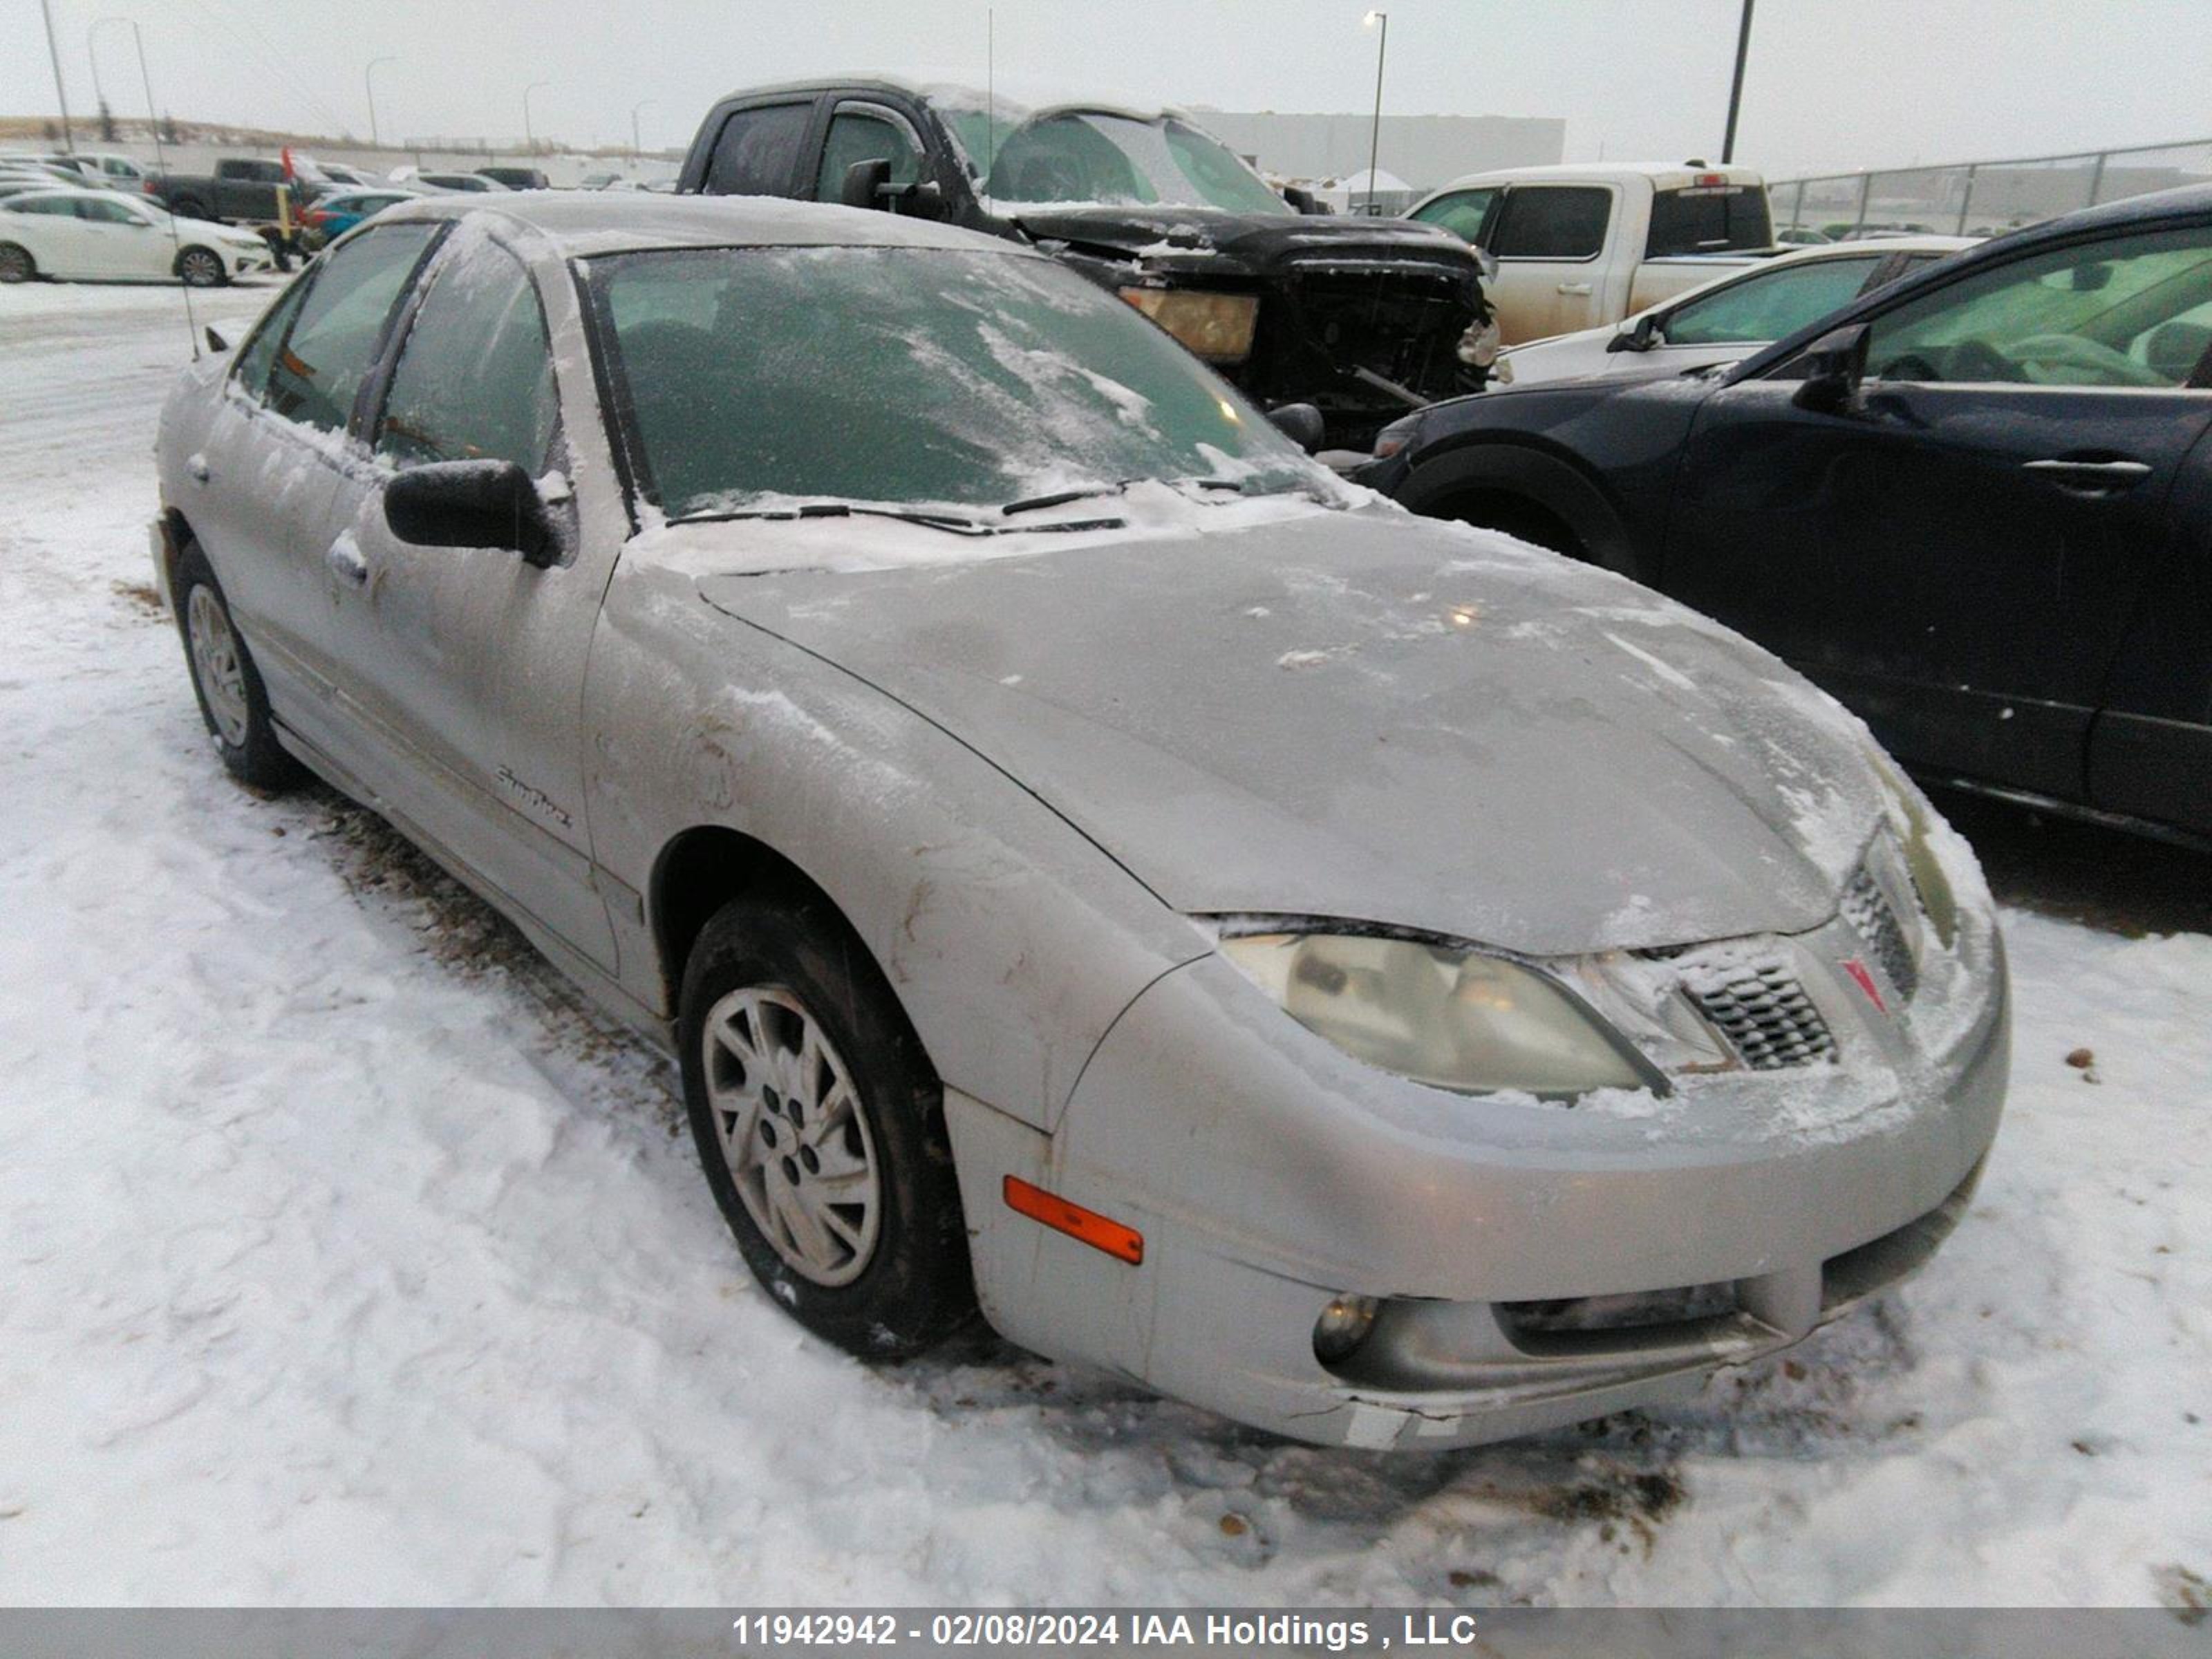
{"points": [[1864, 979]]}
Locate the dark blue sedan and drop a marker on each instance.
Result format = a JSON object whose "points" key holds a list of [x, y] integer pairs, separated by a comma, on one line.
{"points": [[1976, 505]]}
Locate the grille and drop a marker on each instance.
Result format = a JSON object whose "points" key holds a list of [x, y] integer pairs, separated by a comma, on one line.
{"points": [[1874, 919], [1402, 324], [1759, 1006], [1642, 1310]]}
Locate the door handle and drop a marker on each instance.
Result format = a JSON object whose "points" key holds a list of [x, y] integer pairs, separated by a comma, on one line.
{"points": [[1574, 288], [196, 467], [2089, 477], [346, 562]]}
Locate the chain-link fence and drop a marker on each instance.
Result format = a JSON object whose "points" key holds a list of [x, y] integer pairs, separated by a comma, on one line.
{"points": [[1980, 198]]}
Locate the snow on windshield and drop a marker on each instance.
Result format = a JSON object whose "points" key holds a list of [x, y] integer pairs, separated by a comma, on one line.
{"points": [[909, 376], [1096, 157]]}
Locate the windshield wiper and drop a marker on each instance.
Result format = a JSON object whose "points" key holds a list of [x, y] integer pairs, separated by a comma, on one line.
{"points": [[1062, 497], [951, 523]]}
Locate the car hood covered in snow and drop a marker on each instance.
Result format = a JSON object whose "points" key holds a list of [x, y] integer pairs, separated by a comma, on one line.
{"points": [[1362, 715]]}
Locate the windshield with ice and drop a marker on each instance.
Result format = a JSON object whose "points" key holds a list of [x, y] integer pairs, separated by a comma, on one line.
{"points": [[1069, 157], [911, 375]]}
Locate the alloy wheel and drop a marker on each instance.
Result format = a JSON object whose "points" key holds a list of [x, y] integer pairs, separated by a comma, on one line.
{"points": [[217, 664], [789, 1125], [199, 268]]}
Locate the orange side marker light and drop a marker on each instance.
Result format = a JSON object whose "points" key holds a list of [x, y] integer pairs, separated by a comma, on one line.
{"points": [[1099, 1232]]}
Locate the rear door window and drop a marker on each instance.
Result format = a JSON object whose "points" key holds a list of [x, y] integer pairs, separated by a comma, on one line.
{"points": [[1551, 221], [1709, 219], [326, 352], [104, 212], [258, 354], [757, 152]]}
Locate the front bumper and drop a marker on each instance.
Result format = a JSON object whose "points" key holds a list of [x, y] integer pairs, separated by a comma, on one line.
{"points": [[1263, 1193]]}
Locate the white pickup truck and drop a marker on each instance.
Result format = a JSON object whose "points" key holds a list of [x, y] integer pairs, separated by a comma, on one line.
{"points": [[1578, 246]]}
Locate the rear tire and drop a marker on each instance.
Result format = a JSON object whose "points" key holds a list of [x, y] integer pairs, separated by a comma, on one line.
{"points": [[190, 207], [232, 701], [16, 264], [200, 267], [821, 1128]]}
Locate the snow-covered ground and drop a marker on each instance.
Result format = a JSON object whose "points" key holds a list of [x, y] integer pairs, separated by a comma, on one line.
{"points": [[344, 1258]]}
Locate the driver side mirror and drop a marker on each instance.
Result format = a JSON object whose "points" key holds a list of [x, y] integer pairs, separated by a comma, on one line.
{"points": [[1835, 367], [472, 504], [1302, 423], [1304, 201], [1641, 338], [868, 184]]}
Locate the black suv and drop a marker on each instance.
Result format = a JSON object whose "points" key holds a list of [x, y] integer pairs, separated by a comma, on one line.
{"points": [[1362, 318], [1975, 504]]}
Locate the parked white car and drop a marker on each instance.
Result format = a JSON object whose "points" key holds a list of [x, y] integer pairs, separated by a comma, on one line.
{"points": [[107, 235], [109, 168], [1578, 246], [1731, 316]]}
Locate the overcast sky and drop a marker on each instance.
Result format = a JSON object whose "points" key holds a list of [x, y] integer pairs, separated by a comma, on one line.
{"points": [[1834, 84]]}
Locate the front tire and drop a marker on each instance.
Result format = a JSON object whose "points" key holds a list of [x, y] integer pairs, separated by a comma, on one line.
{"points": [[200, 267], [16, 264], [232, 701], [821, 1128]]}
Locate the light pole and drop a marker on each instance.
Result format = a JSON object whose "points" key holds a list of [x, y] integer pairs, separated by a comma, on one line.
{"points": [[528, 134], [369, 80], [633, 145], [1375, 132], [54, 53], [1735, 91]]}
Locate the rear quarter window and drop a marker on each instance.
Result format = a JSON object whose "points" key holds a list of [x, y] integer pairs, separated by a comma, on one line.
{"points": [[1710, 219]]}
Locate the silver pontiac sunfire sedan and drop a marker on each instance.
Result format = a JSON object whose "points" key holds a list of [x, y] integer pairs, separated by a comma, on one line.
{"points": [[1374, 979]]}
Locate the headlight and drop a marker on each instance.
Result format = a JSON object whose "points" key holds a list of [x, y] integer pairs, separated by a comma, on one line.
{"points": [[1439, 1014], [1396, 436], [1219, 327], [1909, 817], [1479, 347]]}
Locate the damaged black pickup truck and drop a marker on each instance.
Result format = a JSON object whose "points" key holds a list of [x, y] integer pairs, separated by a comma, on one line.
{"points": [[1363, 317]]}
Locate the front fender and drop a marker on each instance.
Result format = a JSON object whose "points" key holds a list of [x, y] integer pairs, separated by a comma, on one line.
{"points": [[1545, 479], [1012, 943]]}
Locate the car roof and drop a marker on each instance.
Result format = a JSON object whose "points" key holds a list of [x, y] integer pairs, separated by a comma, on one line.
{"points": [[584, 222], [2186, 202], [1906, 242], [1663, 174], [72, 191], [949, 95]]}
